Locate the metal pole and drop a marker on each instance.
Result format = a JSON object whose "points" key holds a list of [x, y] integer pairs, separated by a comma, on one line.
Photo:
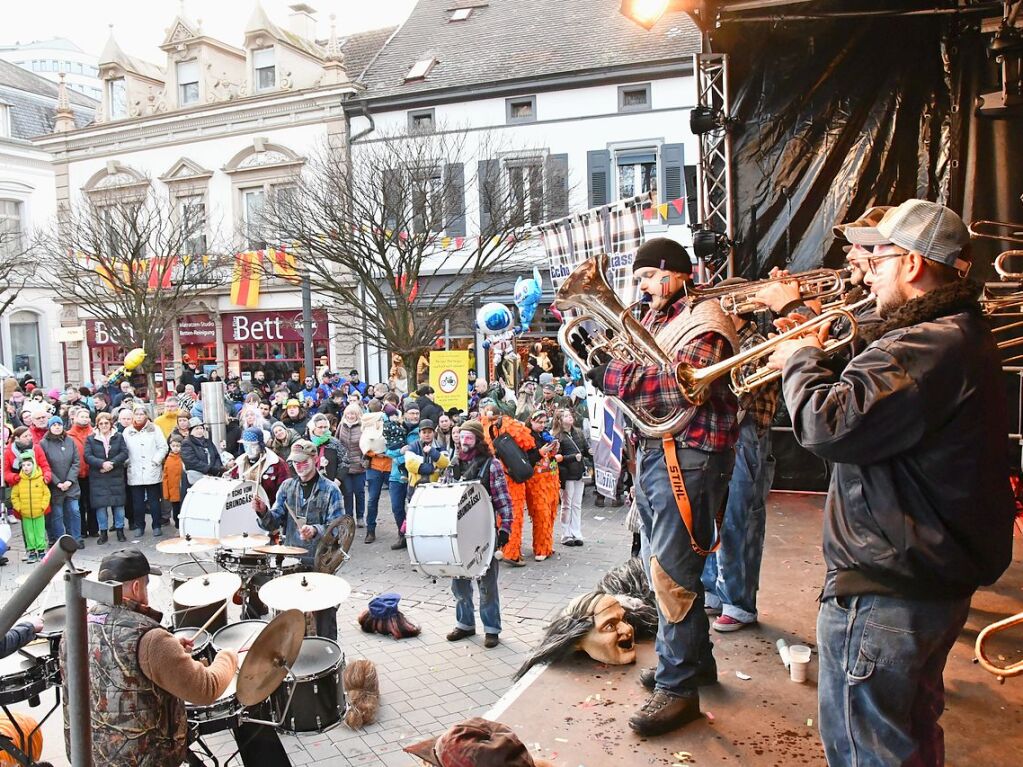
{"points": [[307, 324], [76, 669], [15, 607], [729, 196]]}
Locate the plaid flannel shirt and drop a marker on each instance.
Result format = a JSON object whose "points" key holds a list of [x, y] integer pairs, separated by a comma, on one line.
{"points": [[761, 403], [715, 426]]}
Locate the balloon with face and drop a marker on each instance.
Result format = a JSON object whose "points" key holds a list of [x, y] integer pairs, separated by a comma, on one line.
{"points": [[527, 298]]}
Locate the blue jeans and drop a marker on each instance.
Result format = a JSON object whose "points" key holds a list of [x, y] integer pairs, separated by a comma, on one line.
{"points": [[375, 481], [732, 574], [146, 498], [490, 602], [118, 514], [353, 490], [398, 492], [64, 517], [880, 687], [683, 643]]}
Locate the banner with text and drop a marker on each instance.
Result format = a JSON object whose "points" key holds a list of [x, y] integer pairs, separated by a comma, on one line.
{"points": [[449, 377]]}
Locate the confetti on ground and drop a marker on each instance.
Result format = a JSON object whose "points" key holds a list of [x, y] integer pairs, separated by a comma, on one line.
{"points": [[809, 721], [742, 676], [600, 519], [682, 757], [709, 715], [561, 740]]}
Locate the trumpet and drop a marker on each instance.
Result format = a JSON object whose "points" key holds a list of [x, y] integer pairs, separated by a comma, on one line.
{"points": [[1001, 268], [815, 284], [1013, 669], [981, 230]]}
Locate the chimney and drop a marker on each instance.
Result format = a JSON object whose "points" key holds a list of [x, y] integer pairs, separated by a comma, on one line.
{"points": [[303, 20]]}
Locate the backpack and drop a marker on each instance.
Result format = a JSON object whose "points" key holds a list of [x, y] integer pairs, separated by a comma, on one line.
{"points": [[512, 457]]}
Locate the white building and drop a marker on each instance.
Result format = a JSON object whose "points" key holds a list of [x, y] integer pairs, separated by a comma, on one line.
{"points": [[50, 58], [569, 86], [30, 107], [214, 127]]}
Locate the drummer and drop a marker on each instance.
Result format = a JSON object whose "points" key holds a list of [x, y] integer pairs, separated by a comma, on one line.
{"points": [[141, 674], [257, 464], [314, 501]]}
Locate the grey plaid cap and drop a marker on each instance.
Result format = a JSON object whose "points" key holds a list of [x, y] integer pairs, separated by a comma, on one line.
{"points": [[932, 230]]}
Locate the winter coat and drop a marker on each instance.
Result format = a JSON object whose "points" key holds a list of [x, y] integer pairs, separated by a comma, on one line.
{"points": [[12, 474], [349, 436], [569, 457], [429, 409], [333, 460], [62, 454], [298, 424], [173, 477], [79, 434], [283, 449], [201, 455], [146, 450], [166, 423], [30, 498], [107, 488]]}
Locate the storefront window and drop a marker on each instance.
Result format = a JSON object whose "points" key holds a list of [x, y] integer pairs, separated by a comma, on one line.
{"points": [[25, 351], [276, 360]]}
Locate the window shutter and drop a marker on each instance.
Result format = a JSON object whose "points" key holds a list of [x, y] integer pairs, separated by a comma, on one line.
{"points": [[557, 186], [598, 175], [488, 178], [393, 199], [454, 199], [672, 188]]}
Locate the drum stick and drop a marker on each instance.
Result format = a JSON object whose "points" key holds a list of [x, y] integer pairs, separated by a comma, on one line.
{"points": [[208, 623], [192, 555], [292, 515], [248, 642]]}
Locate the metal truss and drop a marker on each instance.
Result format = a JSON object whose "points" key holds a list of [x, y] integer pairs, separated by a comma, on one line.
{"points": [[715, 201]]}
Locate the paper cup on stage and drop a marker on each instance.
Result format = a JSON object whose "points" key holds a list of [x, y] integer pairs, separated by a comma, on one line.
{"points": [[799, 660]]}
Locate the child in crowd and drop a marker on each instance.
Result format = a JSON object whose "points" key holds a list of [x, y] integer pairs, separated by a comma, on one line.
{"points": [[30, 499], [173, 470]]}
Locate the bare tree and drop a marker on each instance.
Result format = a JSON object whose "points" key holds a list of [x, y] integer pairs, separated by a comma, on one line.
{"points": [[17, 266], [133, 262], [382, 234]]}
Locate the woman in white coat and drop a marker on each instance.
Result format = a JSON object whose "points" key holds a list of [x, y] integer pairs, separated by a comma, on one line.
{"points": [[146, 450]]}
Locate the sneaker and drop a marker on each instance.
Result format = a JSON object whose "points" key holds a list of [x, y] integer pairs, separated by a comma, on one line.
{"points": [[540, 557], [516, 562], [30, 557], [456, 634], [360, 522], [568, 541], [399, 544], [370, 536], [664, 712], [491, 641], [157, 532], [728, 623], [138, 533]]}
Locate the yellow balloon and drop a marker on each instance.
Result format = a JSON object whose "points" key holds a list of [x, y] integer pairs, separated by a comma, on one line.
{"points": [[134, 358]]}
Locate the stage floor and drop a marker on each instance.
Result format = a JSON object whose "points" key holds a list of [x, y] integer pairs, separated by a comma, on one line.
{"points": [[576, 712]]}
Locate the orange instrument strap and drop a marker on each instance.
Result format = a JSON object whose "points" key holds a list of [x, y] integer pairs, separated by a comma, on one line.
{"points": [[685, 510]]}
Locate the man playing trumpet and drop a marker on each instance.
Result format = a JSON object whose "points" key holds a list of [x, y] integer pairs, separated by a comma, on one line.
{"points": [[919, 512], [677, 522]]}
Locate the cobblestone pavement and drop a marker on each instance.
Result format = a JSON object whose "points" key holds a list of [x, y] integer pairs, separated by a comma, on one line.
{"points": [[426, 683]]}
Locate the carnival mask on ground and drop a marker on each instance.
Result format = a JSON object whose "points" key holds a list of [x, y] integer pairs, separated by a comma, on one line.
{"points": [[603, 623]]}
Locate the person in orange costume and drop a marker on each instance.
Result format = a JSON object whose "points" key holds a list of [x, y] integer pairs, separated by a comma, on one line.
{"points": [[543, 490], [494, 425]]}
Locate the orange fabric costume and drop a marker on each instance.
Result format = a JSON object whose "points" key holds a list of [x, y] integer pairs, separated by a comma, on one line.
{"points": [[543, 492], [494, 427]]}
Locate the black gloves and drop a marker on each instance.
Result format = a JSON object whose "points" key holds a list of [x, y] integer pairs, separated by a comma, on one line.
{"points": [[580, 343], [502, 538], [596, 376]]}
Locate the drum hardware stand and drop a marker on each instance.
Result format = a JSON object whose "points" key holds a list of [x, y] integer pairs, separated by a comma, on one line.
{"points": [[8, 747]]}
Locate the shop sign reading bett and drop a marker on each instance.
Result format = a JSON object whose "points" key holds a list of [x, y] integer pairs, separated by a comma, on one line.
{"points": [[246, 327]]}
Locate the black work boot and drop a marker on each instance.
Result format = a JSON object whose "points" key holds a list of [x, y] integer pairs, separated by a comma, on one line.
{"points": [[399, 544], [664, 712], [102, 538], [120, 535]]}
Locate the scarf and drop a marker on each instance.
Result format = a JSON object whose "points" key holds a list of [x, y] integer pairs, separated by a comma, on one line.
{"points": [[319, 441]]}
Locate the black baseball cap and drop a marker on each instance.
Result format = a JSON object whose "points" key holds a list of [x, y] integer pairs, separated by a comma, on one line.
{"points": [[126, 565]]}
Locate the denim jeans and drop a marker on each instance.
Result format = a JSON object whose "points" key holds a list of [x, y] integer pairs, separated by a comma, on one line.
{"points": [[398, 492], [65, 517], [118, 514], [353, 491], [146, 498], [490, 601], [879, 685], [375, 481], [683, 643], [732, 574]]}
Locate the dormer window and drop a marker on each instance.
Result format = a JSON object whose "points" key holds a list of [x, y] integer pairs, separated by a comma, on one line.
{"points": [[188, 82], [420, 70], [117, 98], [460, 14], [265, 73]]}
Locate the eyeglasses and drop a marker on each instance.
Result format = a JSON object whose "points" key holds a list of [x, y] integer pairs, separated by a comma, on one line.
{"points": [[872, 261]]}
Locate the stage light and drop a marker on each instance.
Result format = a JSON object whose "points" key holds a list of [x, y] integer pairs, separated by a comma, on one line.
{"points": [[646, 13], [710, 245], [704, 119]]}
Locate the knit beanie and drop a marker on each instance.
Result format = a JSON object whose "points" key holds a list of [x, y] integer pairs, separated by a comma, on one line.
{"points": [[476, 428], [662, 253], [253, 435], [394, 435], [54, 419]]}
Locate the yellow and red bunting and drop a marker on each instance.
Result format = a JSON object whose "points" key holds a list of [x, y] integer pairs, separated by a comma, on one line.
{"points": [[245, 281], [160, 270], [284, 265]]}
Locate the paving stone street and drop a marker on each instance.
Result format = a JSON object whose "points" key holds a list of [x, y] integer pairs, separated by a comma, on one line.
{"points": [[426, 683]]}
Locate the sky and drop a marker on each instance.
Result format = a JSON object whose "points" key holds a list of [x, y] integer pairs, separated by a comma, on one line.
{"points": [[140, 25]]}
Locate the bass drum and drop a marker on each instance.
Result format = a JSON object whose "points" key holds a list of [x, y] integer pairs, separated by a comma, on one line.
{"points": [[195, 616], [318, 703], [451, 530]]}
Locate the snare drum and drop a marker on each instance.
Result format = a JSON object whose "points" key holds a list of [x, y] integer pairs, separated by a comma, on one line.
{"points": [[202, 645], [54, 619], [22, 678], [238, 636], [195, 616], [242, 562], [319, 700], [222, 714]]}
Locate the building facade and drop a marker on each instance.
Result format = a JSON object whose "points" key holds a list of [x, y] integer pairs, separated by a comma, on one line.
{"points": [[214, 129], [542, 89], [51, 58]]}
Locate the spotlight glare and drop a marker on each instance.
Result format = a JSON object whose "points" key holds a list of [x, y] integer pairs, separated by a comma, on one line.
{"points": [[646, 13]]}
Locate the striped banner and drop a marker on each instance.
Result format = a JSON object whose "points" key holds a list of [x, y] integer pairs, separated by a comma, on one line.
{"points": [[284, 265], [246, 279]]}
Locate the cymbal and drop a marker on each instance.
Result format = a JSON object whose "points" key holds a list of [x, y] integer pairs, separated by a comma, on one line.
{"points": [[307, 592], [206, 589], [284, 551], [187, 545], [244, 541], [332, 551], [267, 660]]}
